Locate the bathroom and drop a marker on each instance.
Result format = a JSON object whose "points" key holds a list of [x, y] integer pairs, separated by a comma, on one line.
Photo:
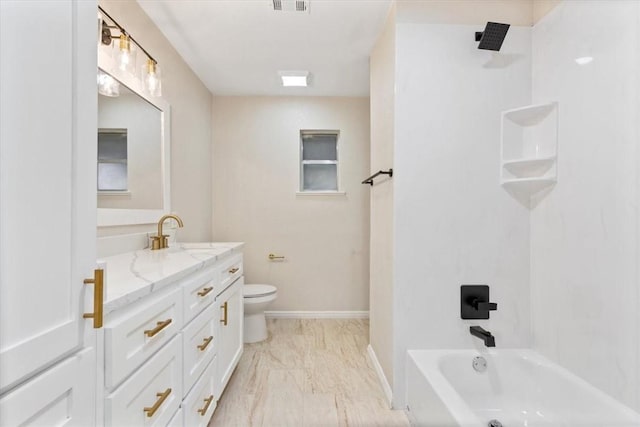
{"points": [[371, 275]]}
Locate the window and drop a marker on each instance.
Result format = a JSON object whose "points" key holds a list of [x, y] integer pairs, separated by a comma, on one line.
{"points": [[318, 161], [112, 160]]}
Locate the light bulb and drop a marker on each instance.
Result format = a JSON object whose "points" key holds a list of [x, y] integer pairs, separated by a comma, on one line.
{"points": [[151, 78], [107, 85], [125, 56]]}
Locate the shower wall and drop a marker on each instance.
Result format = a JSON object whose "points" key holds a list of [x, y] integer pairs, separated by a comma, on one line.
{"points": [[584, 234], [453, 222], [564, 273]]}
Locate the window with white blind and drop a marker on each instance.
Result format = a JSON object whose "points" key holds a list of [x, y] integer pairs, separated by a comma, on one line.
{"points": [[319, 160]]}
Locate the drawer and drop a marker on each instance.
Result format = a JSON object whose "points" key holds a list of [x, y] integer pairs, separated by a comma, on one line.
{"points": [[176, 421], [200, 344], [134, 335], [61, 395], [199, 291], [152, 395], [201, 402], [231, 269]]}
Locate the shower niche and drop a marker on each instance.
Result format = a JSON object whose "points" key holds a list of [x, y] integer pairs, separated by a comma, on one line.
{"points": [[529, 151]]}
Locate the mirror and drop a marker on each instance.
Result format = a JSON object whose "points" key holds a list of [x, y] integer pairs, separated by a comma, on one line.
{"points": [[133, 153]]}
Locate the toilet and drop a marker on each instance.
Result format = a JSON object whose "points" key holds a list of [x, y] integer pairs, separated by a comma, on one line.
{"points": [[256, 300]]}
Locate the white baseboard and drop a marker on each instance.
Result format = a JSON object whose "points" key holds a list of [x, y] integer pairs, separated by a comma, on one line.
{"points": [[383, 379], [317, 314]]}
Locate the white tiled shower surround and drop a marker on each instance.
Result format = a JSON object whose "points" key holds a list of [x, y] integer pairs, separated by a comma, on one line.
{"points": [[584, 234], [564, 273]]}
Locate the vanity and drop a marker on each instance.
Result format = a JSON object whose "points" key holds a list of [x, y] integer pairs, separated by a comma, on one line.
{"points": [[162, 343], [172, 333]]}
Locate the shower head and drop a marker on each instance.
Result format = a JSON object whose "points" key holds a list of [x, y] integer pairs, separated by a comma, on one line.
{"points": [[492, 36]]}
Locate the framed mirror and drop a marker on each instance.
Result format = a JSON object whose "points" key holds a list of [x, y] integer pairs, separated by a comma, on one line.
{"points": [[133, 150]]}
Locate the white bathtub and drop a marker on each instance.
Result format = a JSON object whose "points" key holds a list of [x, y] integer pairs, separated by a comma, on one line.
{"points": [[519, 388]]}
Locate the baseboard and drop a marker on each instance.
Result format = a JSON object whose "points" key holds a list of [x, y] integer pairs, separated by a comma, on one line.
{"points": [[317, 314], [386, 388]]}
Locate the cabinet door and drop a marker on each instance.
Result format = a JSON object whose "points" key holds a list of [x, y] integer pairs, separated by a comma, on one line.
{"points": [[59, 396], [48, 116], [230, 332]]}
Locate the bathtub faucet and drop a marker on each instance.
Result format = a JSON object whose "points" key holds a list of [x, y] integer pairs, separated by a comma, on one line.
{"points": [[485, 336]]}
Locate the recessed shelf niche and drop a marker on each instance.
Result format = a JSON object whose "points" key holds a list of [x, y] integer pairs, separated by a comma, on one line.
{"points": [[529, 150]]}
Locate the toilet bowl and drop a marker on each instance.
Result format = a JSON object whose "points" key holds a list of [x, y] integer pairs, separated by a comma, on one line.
{"points": [[256, 300]]}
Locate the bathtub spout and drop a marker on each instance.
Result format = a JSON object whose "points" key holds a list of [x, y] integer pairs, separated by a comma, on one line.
{"points": [[485, 336]]}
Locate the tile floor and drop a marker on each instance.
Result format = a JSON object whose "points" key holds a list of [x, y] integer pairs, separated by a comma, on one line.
{"points": [[309, 372]]}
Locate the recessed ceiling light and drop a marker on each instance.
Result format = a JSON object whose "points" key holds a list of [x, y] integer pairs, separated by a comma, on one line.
{"points": [[584, 60], [294, 78]]}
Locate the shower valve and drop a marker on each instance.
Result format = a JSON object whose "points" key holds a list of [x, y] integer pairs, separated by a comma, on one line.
{"points": [[474, 302]]}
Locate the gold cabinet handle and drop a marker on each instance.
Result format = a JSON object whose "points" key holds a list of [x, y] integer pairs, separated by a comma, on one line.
{"points": [[205, 343], [274, 256], [207, 402], [225, 308], [233, 270], [162, 397], [98, 298], [205, 291], [159, 326]]}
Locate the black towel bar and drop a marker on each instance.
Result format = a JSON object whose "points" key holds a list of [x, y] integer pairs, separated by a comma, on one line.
{"points": [[370, 179]]}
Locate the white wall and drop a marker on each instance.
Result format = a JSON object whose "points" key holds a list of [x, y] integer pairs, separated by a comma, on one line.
{"points": [[190, 125], [325, 238], [584, 234], [453, 222], [382, 66]]}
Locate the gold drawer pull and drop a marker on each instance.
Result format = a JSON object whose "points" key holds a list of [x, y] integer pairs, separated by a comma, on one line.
{"points": [[205, 343], [234, 269], [159, 402], [205, 291], [207, 402], [160, 326], [98, 298], [225, 308]]}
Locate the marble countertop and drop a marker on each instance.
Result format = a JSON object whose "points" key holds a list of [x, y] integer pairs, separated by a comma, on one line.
{"points": [[133, 275]]}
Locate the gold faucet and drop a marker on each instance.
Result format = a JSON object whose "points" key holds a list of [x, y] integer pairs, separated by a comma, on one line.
{"points": [[160, 241]]}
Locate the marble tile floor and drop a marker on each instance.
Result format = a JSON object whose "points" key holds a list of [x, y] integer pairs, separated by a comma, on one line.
{"points": [[309, 372]]}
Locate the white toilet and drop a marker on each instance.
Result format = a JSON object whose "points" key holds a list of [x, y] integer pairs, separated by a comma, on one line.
{"points": [[256, 300]]}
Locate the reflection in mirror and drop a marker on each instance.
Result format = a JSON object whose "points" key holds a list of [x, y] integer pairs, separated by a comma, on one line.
{"points": [[112, 161], [133, 150], [129, 152]]}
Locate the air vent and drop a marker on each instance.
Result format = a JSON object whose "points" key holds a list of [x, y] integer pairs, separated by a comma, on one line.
{"points": [[291, 5]]}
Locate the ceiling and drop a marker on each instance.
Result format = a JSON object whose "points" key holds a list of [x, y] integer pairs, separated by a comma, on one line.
{"points": [[237, 47]]}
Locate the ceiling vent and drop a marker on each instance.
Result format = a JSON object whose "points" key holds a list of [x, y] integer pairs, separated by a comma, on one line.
{"points": [[291, 5]]}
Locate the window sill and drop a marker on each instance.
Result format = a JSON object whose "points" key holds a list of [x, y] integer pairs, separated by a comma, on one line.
{"points": [[114, 193], [321, 193]]}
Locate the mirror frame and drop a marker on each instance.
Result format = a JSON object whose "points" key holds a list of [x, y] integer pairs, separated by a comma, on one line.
{"points": [[121, 217]]}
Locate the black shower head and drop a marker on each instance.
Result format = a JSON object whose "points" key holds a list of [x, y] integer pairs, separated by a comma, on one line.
{"points": [[492, 36]]}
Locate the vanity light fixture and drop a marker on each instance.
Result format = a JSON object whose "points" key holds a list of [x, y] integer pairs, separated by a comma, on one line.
{"points": [[294, 78], [125, 55]]}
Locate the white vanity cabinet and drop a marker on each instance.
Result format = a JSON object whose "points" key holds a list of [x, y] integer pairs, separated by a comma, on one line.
{"points": [[170, 352]]}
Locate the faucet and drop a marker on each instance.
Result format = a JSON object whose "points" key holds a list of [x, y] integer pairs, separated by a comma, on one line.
{"points": [[160, 241], [485, 336]]}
